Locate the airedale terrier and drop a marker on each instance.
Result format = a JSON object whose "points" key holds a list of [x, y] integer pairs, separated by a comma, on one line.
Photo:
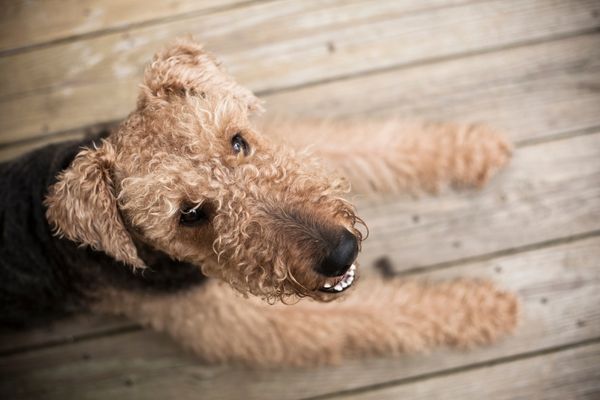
{"points": [[187, 190]]}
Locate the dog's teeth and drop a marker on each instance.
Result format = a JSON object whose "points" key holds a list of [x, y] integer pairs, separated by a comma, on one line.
{"points": [[327, 285], [339, 287]]}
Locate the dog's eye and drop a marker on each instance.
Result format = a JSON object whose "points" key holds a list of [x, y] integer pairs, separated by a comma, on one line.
{"points": [[193, 216], [238, 144]]}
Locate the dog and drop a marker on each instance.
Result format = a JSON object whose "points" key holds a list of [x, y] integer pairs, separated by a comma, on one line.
{"points": [[194, 219]]}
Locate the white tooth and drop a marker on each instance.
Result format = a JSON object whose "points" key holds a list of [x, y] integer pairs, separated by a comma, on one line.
{"points": [[339, 287], [351, 273], [327, 285], [345, 284]]}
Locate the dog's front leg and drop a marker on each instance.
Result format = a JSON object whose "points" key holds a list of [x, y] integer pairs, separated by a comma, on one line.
{"points": [[399, 156], [381, 318]]}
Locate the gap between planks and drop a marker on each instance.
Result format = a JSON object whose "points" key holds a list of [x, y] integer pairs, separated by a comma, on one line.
{"points": [[571, 85], [549, 191], [414, 8], [460, 369], [128, 26], [496, 254], [279, 71], [427, 62]]}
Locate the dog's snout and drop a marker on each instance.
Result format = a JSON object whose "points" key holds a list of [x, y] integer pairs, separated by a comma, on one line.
{"points": [[341, 255]]}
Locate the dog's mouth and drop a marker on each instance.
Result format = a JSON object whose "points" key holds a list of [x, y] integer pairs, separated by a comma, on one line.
{"points": [[340, 283]]}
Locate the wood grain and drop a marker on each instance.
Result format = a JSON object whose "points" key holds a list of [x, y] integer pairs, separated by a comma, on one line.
{"points": [[553, 81], [238, 30], [64, 331], [530, 91], [569, 374], [559, 287], [282, 46], [27, 23], [529, 67], [15, 150], [549, 191]]}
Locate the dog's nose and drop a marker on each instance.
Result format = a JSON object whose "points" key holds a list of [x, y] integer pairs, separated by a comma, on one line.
{"points": [[341, 256]]}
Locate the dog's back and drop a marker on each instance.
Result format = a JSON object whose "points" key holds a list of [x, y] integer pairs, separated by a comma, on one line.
{"points": [[30, 285]]}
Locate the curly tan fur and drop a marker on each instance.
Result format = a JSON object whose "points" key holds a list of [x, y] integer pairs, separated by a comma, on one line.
{"points": [[269, 211], [266, 208], [379, 318], [399, 156], [84, 202]]}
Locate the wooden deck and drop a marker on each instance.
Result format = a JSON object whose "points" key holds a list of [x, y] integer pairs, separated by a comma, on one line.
{"points": [[531, 67]]}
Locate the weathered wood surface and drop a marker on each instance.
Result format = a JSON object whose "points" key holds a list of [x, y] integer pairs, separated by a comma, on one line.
{"points": [[568, 374], [559, 287], [554, 81], [15, 150], [29, 23], [122, 55], [68, 330], [549, 191], [95, 79], [530, 67], [530, 91]]}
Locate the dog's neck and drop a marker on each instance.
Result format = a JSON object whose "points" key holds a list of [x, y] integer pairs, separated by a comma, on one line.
{"points": [[163, 273]]}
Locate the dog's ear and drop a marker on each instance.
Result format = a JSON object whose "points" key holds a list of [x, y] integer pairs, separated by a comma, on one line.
{"points": [[185, 68], [82, 206]]}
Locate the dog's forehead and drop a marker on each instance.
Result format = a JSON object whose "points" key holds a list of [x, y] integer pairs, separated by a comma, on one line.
{"points": [[183, 135]]}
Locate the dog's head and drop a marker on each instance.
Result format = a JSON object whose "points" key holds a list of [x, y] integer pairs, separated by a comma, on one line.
{"points": [[188, 174]]}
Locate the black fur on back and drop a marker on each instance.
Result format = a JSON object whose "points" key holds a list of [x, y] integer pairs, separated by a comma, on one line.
{"points": [[42, 276]]}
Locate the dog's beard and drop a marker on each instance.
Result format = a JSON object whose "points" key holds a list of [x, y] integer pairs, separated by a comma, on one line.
{"points": [[279, 280]]}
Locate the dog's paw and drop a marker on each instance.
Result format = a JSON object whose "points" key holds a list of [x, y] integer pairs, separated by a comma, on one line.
{"points": [[484, 313], [479, 153]]}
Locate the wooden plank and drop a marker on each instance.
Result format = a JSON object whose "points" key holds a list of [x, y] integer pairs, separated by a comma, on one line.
{"points": [[16, 149], [120, 55], [284, 45], [553, 81], [64, 331], [26, 23], [12, 151], [549, 191], [569, 374], [530, 91], [559, 287]]}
